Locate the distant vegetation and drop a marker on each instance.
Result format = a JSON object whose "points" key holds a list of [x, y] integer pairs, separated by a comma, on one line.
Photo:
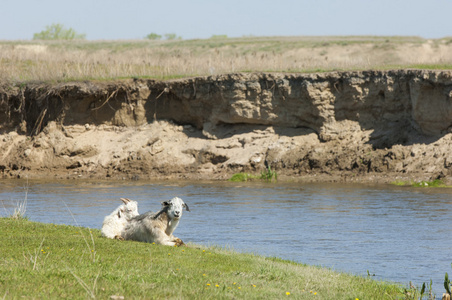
{"points": [[168, 36], [58, 32]]}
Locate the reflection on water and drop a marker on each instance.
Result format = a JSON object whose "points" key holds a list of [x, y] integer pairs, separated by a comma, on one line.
{"points": [[398, 233]]}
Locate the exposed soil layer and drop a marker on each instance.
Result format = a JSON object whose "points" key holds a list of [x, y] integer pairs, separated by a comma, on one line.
{"points": [[341, 126]]}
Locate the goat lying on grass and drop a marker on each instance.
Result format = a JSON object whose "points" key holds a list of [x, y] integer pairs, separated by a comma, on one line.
{"points": [[157, 227], [115, 222]]}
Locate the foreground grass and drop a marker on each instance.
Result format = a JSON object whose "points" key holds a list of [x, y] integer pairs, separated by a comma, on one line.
{"points": [[43, 261]]}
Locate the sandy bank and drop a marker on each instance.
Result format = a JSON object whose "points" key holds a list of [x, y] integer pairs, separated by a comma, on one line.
{"points": [[341, 126]]}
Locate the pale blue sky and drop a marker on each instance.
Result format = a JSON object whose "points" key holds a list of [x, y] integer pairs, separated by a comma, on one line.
{"points": [[190, 19]]}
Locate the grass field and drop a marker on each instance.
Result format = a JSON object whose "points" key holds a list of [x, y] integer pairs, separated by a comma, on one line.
{"points": [[22, 61], [47, 261]]}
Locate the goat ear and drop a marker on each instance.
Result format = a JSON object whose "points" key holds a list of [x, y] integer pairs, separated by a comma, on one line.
{"points": [[165, 203], [125, 200], [186, 207], [119, 214]]}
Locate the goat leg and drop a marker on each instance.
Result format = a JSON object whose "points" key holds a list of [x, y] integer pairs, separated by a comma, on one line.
{"points": [[178, 242], [119, 237]]}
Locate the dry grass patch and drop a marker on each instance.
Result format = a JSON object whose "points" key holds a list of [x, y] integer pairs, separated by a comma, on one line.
{"points": [[80, 60]]}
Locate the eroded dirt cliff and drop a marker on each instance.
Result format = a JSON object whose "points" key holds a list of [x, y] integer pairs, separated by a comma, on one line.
{"points": [[362, 126]]}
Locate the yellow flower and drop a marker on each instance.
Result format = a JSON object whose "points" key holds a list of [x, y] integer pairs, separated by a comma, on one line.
{"points": [[217, 285], [208, 284], [203, 250], [315, 293], [287, 293], [169, 253], [253, 285], [234, 283], [239, 288], [203, 274]]}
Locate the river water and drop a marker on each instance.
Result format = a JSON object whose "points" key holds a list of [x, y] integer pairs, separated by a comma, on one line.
{"points": [[399, 234]]}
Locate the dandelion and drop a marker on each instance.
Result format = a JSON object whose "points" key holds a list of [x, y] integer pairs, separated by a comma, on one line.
{"points": [[287, 293], [203, 274], [239, 288], [203, 250], [234, 283], [216, 285], [208, 284], [253, 285], [183, 250], [169, 254], [315, 293]]}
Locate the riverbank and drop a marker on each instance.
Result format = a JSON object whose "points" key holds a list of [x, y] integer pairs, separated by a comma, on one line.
{"points": [[58, 261], [373, 126]]}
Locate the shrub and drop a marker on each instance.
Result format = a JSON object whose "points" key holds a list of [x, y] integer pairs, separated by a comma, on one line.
{"points": [[172, 36], [153, 36]]}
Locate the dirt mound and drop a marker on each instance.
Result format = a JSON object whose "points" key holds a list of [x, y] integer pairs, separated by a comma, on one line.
{"points": [[359, 126]]}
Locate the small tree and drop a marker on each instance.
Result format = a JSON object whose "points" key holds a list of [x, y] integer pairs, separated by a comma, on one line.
{"points": [[58, 32], [153, 36]]}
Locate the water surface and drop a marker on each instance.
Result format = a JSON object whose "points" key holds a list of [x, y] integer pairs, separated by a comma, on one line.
{"points": [[400, 234]]}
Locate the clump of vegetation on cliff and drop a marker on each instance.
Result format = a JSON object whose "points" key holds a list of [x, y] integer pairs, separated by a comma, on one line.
{"points": [[267, 175], [434, 183]]}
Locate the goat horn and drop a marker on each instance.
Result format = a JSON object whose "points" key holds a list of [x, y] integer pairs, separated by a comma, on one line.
{"points": [[125, 200]]}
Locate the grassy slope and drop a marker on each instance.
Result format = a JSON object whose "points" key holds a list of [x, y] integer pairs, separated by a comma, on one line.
{"points": [[56, 261]]}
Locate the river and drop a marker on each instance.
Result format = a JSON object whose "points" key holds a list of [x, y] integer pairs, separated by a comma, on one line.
{"points": [[400, 234]]}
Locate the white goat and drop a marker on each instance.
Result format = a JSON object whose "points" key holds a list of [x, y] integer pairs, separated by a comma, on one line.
{"points": [[157, 227], [115, 222]]}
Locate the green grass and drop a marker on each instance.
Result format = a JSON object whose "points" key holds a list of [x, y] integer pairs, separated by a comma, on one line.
{"points": [[47, 261], [424, 184]]}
